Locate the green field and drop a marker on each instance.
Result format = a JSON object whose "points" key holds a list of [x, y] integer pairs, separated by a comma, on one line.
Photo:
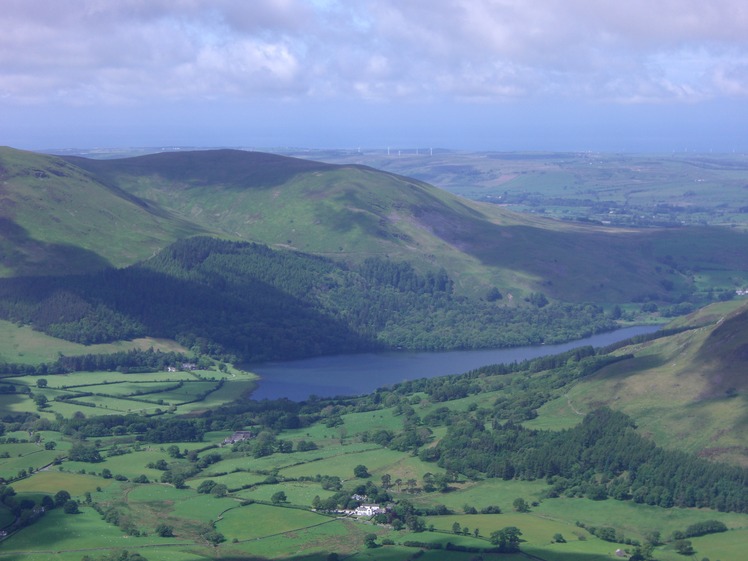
{"points": [[120, 393], [9, 467], [378, 461], [298, 493], [52, 481], [261, 521], [84, 531], [21, 344]]}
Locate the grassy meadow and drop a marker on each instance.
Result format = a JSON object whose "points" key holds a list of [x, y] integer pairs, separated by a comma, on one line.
{"points": [[22, 345]]}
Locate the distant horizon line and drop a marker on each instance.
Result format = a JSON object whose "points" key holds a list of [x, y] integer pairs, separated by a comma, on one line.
{"points": [[392, 151]]}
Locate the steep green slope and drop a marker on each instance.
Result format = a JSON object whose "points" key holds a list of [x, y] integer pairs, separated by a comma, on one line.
{"points": [[235, 299], [687, 391], [57, 219], [354, 212]]}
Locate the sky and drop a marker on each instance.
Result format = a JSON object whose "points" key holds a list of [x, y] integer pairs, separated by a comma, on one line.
{"points": [[508, 75]]}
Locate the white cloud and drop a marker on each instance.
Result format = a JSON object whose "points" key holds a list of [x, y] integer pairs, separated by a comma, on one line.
{"points": [[98, 51]]}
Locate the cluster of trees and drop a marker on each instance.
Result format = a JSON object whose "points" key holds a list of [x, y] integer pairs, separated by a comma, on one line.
{"points": [[123, 555], [27, 511], [601, 457], [84, 452], [701, 529], [124, 361], [148, 429], [120, 517], [135, 360], [238, 300]]}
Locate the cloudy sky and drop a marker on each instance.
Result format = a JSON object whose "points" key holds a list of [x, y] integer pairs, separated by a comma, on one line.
{"points": [[612, 75]]}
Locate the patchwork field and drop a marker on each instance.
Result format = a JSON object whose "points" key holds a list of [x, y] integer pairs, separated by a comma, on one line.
{"points": [[264, 488]]}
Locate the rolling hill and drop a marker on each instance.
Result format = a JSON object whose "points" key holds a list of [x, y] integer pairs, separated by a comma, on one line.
{"points": [[75, 215], [57, 219], [354, 212], [686, 391]]}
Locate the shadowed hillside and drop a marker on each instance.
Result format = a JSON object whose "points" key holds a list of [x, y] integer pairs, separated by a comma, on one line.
{"points": [[56, 219], [210, 167]]}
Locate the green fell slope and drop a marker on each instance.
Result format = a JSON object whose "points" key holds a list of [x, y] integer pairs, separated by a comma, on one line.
{"points": [[72, 215], [355, 212], [55, 218], [687, 391]]}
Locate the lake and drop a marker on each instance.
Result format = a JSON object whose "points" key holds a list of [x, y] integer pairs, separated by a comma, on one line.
{"points": [[356, 374]]}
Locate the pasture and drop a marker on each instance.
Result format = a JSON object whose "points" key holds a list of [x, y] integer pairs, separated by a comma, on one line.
{"points": [[109, 393], [58, 531], [485, 493], [23, 345], [298, 493], [233, 481], [308, 543], [51, 481], [377, 460], [257, 521], [35, 460]]}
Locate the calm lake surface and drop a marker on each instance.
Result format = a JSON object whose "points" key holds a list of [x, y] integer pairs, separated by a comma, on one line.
{"points": [[357, 374]]}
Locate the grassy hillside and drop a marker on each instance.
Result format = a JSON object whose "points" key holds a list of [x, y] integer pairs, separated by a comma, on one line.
{"points": [[622, 189], [354, 212], [57, 219], [68, 215], [686, 391]]}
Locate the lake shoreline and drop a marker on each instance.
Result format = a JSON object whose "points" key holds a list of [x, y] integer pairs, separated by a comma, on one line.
{"points": [[357, 374]]}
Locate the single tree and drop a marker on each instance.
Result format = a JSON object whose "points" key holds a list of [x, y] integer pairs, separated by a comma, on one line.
{"points": [[507, 539], [70, 507], [520, 505], [279, 497], [684, 547], [165, 531], [386, 481], [361, 472], [61, 497], [219, 490]]}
